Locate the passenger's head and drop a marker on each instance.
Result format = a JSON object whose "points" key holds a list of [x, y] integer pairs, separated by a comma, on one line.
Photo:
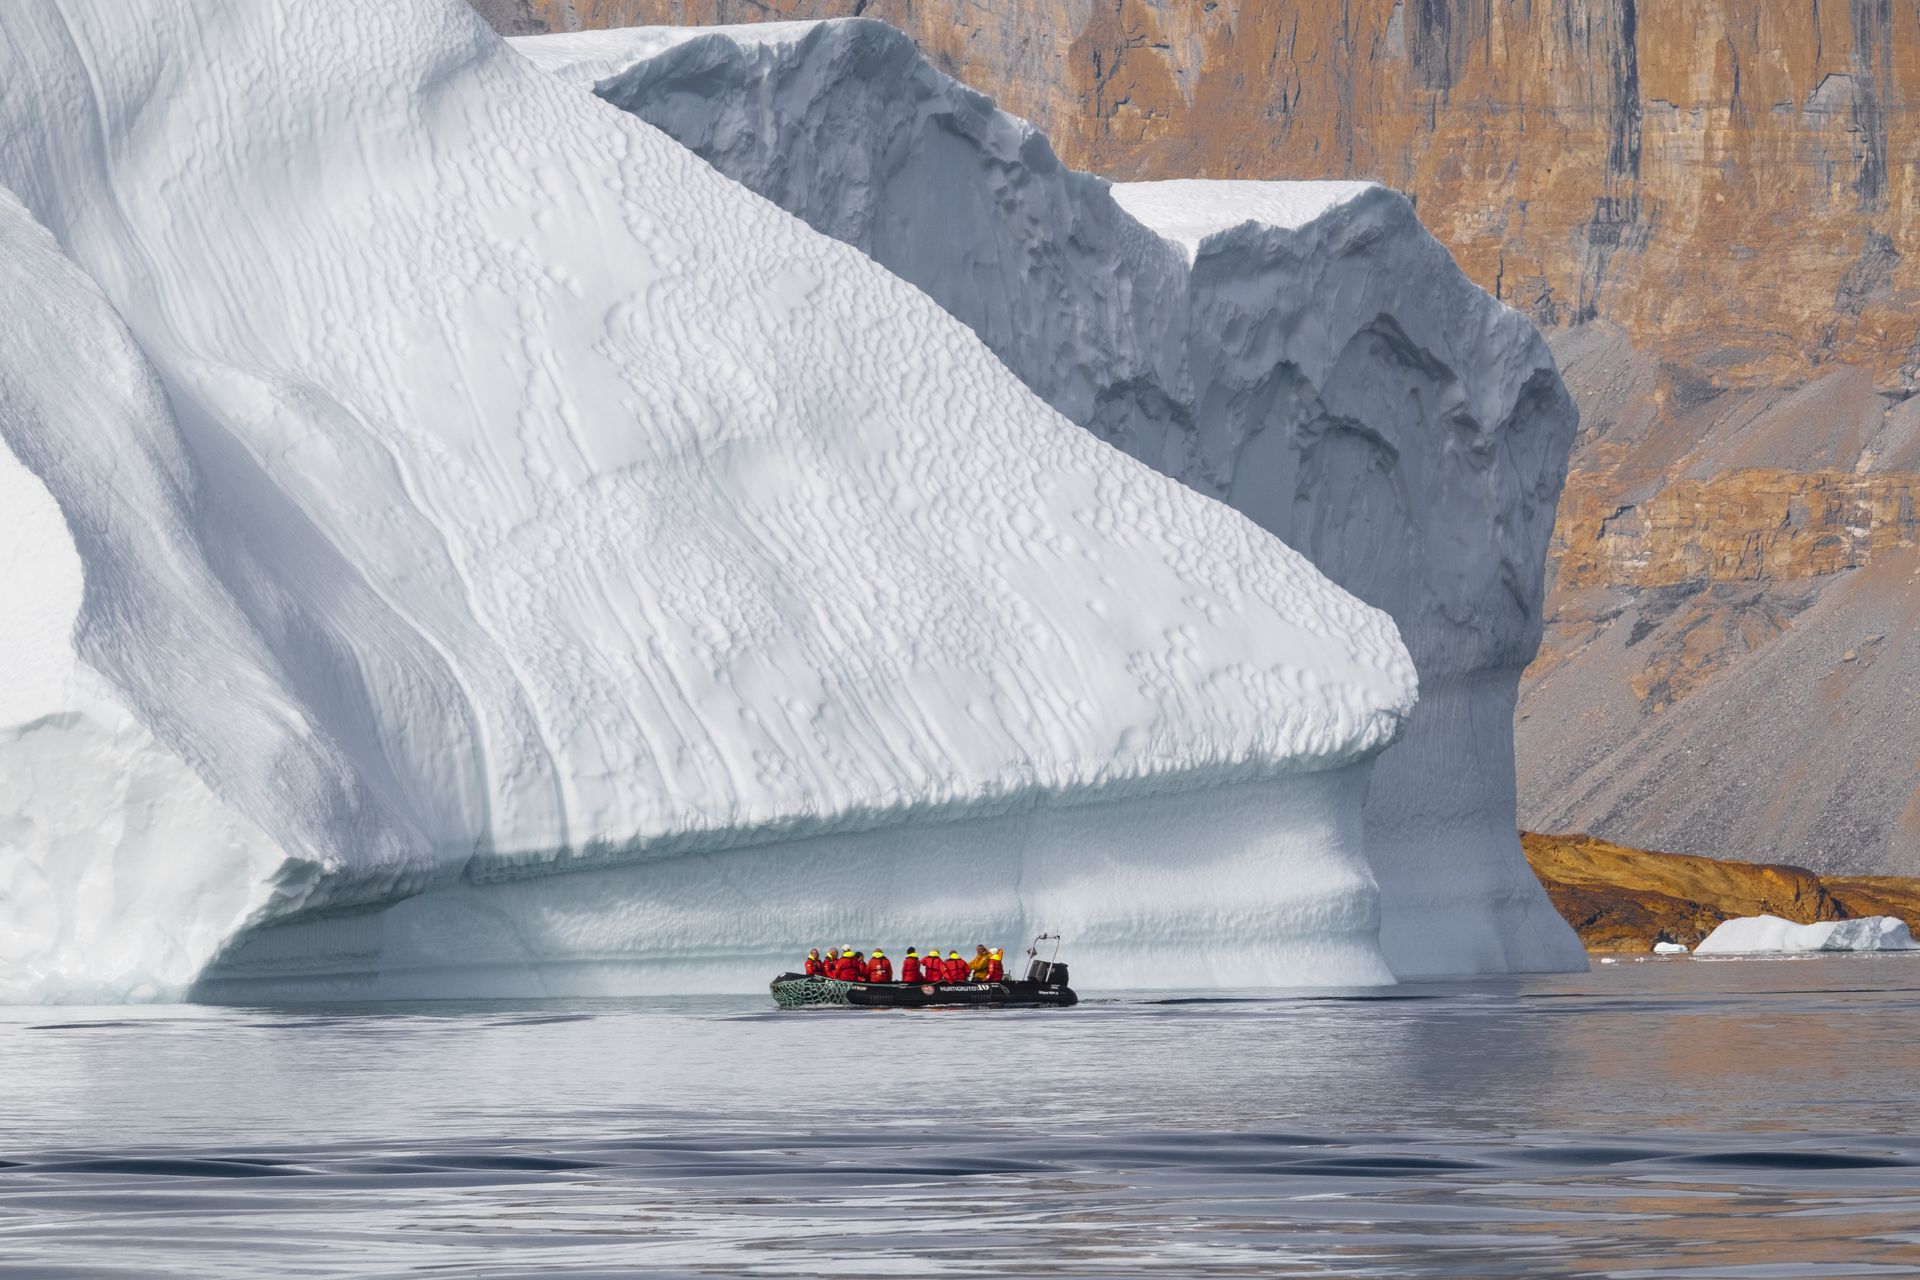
{"points": [[912, 952], [814, 954], [878, 954], [980, 949], [953, 955]]}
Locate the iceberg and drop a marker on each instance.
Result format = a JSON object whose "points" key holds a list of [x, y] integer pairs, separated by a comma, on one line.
{"points": [[458, 543], [1304, 351], [1760, 935]]}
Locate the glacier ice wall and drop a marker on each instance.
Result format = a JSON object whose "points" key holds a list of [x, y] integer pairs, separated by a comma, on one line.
{"points": [[478, 507], [1303, 351], [121, 871]]}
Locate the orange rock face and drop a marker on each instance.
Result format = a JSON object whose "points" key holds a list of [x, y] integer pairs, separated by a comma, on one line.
{"points": [[1761, 523], [1621, 899]]}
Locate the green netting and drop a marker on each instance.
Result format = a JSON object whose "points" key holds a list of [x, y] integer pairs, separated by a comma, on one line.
{"points": [[798, 993]]}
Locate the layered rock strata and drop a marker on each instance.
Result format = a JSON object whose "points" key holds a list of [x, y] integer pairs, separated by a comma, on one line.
{"points": [[1303, 351], [1621, 899]]}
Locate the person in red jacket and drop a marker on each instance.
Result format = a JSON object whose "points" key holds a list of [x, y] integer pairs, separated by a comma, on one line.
{"points": [[860, 966], [815, 965], [879, 969], [996, 969], [910, 967], [956, 967], [843, 967]]}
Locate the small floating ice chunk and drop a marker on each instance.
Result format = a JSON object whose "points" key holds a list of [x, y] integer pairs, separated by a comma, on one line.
{"points": [[1758, 935], [1669, 948]]}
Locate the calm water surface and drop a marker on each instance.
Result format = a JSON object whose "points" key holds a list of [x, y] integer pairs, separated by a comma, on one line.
{"points": [[1677, 1118]]}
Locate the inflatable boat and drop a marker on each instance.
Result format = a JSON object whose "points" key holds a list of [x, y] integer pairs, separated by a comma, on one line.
{"points": [[1044, 987]]}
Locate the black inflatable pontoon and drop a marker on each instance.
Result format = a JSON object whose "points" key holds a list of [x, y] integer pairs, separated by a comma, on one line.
{"points": [[1045, 986]]}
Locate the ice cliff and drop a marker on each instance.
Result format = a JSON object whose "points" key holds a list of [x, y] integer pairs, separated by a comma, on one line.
{"points": [[457, 542], [1303, 351]]}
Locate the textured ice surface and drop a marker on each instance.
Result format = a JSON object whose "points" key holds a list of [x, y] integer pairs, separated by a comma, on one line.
{"points": [[462, 485], [120, 870], [1303, 351], [1754, 935]]}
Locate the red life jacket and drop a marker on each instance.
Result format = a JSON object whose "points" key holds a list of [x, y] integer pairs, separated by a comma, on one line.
{"points": [[843, 968], [910, 969], [859, 969], [956, 970], [815, 967], [994, 970], [880, 970]]}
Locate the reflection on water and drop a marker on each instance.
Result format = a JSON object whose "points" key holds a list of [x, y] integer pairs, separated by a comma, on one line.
{"points": [[1673, 1118]]}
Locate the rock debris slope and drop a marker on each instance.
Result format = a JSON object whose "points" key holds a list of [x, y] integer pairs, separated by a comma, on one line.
{"points": [[1302, 351], [508, 557]]}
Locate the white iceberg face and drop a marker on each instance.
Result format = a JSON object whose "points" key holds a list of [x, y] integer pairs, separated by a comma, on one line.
{"points": [[1304, 351], [1669, 949], [1759, 935], [481, 506]]}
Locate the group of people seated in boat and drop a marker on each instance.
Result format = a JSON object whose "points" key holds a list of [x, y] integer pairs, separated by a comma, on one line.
{"points": [[849, 965]]}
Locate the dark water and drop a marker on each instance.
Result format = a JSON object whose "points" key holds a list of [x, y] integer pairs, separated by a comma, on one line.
{"points": [[1647, 1120]]}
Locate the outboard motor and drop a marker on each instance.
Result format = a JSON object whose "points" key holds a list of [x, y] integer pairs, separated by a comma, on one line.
{"points": [[1049, 973]]}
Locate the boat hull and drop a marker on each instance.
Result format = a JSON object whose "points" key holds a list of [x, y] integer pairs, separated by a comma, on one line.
{"points": [[798, 991]]}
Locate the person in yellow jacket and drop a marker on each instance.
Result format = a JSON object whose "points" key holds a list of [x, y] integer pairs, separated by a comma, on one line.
{"points": [[977, 967]]}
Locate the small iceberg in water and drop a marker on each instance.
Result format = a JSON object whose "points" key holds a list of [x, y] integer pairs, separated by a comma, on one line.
{"points": [[1665, 948], [1754, 935]]}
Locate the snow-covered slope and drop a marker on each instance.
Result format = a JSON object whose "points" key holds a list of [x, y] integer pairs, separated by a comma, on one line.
{"points": [[845, 125], [1304, 351], [518, 559]]}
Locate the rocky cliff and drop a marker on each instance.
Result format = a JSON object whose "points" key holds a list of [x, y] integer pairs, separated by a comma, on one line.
{"points": [[1711, 206], [1621, 899]]}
